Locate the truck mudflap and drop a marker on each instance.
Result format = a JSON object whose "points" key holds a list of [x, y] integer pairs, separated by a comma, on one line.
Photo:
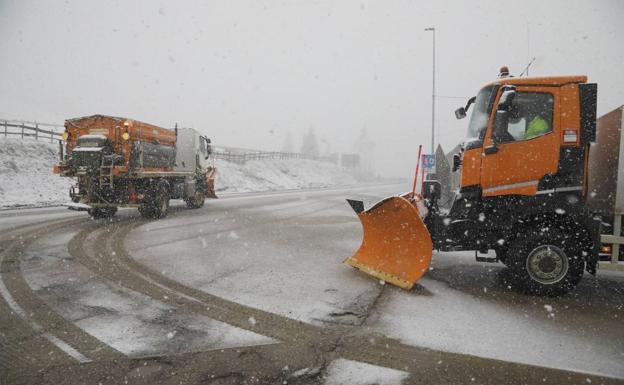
{"points": [[210, 175], [396, 247]]}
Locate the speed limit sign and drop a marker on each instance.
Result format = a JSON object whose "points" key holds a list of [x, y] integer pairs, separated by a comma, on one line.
{"points": [[429, 162]]}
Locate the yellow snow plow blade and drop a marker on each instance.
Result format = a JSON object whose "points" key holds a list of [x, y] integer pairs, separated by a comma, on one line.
{"points": [[396, 247]]}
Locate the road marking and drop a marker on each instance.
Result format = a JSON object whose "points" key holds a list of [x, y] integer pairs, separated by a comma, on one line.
{"points": [[62, 345]]}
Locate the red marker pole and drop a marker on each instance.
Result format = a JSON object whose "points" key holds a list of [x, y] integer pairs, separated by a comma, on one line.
{"points": [[416, 173]]}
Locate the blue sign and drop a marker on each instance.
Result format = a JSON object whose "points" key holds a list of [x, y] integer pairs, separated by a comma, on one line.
{"points": [[429, 162]]}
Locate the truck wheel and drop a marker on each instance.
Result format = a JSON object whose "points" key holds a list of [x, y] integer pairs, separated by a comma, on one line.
{"points": [[197, 200], [156, 206], [545, 262], [162, 204], [102, 212]]}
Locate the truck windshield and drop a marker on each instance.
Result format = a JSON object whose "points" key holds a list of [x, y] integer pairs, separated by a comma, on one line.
{"points": [[481, 113]]}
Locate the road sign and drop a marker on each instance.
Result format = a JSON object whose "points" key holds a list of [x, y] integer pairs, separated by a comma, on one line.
{"points": [[429, 162]]}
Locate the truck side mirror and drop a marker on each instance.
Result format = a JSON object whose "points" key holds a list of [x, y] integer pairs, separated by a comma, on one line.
{"points": [[460, 113], [208, 148], [456, 162]]}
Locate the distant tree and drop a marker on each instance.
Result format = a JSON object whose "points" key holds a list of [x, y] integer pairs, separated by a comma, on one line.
{"points": [[288, 145], [309, 145], [325, 149], [365, 148]]}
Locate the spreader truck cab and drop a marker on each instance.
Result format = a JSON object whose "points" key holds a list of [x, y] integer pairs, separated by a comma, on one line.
{"points": [[119, 162], [528, 191]]}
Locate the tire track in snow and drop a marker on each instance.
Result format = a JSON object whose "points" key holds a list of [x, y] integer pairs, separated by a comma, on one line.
{"points": [[303, 343], [35, 335], [328, 343]]}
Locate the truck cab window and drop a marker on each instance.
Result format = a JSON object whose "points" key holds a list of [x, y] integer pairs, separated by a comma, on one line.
{"points": [[530, 115], [481, 113]]}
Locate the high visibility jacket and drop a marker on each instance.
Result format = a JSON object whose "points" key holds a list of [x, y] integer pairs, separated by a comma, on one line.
{"points": [[537, 126]]}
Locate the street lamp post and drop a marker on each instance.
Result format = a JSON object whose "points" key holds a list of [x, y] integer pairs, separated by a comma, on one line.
{"points": [[432, 29]]}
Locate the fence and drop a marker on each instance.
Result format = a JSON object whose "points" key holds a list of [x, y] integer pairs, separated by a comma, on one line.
{"points": [[243, 157], [29, 129], [24, 129]]}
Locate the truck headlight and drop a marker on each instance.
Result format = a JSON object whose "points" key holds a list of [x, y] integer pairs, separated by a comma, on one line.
{"points": [[65, 135], [125, 136]]}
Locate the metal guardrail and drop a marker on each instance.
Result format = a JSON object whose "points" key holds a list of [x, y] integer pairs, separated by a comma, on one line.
{"points": [[29, 129], [243, 157]]}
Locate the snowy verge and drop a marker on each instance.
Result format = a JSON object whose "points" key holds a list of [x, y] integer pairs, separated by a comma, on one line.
{"points": [[26, 177], [274, 174]]}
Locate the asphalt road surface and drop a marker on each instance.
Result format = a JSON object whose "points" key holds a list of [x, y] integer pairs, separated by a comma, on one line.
{"points": [[251, 289]]}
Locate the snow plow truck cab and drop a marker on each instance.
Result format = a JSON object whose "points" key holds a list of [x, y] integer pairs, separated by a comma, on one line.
{"points": [[523, 192]]}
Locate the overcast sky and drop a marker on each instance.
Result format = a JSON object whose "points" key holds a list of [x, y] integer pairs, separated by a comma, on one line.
{"points": [[247, 72]]}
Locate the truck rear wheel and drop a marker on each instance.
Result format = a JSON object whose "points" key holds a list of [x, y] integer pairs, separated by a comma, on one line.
{"points": [[156, 206], [197, 200], [545, 261], [102, 212]]}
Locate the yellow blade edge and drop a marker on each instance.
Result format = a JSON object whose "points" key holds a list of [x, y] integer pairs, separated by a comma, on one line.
{"points": [[396, 281]]}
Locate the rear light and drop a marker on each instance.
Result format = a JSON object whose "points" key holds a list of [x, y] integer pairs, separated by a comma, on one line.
{"points": [[605, 249], [570, 136]]}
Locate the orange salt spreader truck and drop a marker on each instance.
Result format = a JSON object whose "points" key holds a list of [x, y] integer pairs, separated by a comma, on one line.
{"points": [[527, 191], [119, 162]]}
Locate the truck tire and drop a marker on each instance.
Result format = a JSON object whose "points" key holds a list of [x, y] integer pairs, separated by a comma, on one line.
{"points": [[102, 212], [156, 206], [197, 200], [545, 261]]}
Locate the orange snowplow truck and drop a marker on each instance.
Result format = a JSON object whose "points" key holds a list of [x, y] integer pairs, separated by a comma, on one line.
{"points": [[119, 162], [523, 192]]}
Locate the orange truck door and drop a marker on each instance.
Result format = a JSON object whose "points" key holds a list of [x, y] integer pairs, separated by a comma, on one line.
{"points": [[527, 148]]}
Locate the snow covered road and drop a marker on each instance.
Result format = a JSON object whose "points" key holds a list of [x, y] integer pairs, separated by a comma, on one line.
{"points": [[283, 254], [259, 276]]}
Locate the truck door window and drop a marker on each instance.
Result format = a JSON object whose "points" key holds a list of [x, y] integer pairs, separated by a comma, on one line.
{"points": [[481, 113], [530, 115]]}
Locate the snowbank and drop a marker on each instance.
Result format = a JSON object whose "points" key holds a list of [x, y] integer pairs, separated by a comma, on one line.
{"points": [[274, 174], [26, 177]]}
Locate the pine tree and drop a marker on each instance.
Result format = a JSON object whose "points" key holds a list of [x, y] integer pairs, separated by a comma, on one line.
{"points": [[309, 145]]}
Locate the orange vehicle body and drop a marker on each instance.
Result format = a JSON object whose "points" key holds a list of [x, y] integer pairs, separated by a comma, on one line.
{"points": [[517, 167], [524, 166], [114, 129], [120, 162]]}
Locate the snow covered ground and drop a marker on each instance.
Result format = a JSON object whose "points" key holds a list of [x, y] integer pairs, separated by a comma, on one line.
{"points": [[343, 372], [282, 253], [275, 174], [26, 177], [126, 320]]}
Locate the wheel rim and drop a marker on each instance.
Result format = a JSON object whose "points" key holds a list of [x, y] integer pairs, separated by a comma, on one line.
{"points": [[547, 264]]}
